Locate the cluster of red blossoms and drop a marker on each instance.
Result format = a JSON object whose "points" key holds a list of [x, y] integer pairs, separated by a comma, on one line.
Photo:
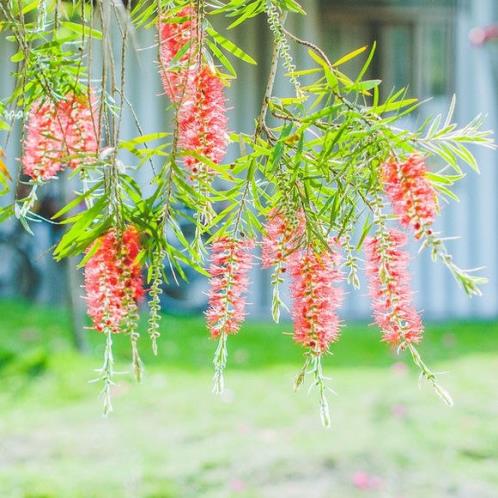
{"points": [[313, 274], [197, 90], [315, 297], [281, 237], [113, 280], [413, 198], [59, 134], [229, 272], [389, 286], [174, 36]]}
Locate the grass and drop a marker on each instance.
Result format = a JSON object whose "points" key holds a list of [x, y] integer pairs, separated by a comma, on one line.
{"points": [[171, 438]]}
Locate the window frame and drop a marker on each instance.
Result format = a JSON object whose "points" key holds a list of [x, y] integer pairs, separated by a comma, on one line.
{"points": [[416, 18]]}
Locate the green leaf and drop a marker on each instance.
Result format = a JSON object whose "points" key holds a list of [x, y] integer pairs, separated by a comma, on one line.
{"points": [[17, 57], [303, 72], [395, 106], [76, 201], [351, 55], [367, 226], [364, 86], [222, 58], [293, 6], [89, 254], [82, 30], [6, 212], [150, 137], [31, 6], [443, 179], [178, 56], [318, 59], [250, 11], [141, 18], [446, 191], [464, 154], [229, 46], [25, 225], [365, 67]]}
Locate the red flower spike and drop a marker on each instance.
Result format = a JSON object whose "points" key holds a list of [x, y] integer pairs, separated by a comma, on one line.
{"points": [[231, 261], [113, 279], [58, 135], [198, 91], [202, 120], [389, 286], [174, 36], [280, 238], [412, 196], [315, 297]]}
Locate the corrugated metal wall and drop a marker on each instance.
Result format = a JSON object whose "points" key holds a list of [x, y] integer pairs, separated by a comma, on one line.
{"points": [[474, 218]]}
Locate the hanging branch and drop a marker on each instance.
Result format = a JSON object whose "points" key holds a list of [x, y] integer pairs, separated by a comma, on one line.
{"points": [[312, 186]]}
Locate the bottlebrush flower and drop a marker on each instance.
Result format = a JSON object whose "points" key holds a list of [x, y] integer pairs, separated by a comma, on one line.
{"points": [[113, 280], [202, 120], [173, 37], [59, 134], [229, 271], [198, 91], [41, 158], [413, 198], [281, 236], [389, 286], [315, 298], [78, 119]]}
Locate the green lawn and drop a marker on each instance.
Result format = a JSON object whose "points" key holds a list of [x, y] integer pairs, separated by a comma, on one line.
{"points": [[171, 438]]}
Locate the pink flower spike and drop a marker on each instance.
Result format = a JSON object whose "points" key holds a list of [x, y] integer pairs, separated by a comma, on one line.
{"points": [[196, 89], [202, 120], [58, 135], [231, 261], [315, 297], [389, 287], [113, 280], [412, 196], [280, 238], [173, 37]]}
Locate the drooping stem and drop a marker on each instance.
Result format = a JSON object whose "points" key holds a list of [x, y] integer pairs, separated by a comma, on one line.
{"points": [[385, 245], [155, 297], [260, 123], [430, 376], [107, 373], [313, 366], [220, 361]]}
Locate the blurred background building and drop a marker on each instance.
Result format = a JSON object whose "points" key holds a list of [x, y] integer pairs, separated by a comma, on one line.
{"points": [[422, 44]]}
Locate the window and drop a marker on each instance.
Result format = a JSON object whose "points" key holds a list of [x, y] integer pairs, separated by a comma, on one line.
{"points": [[415, 42]]}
